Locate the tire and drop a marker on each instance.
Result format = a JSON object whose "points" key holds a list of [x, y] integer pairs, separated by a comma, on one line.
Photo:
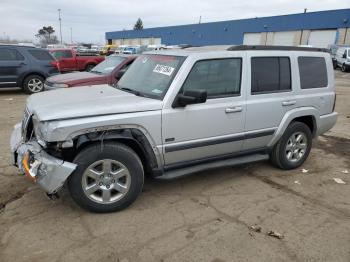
{"points": [[89, 67], [344, 68], [335, 64], [33, 84], [282, 154], [99, 171]]}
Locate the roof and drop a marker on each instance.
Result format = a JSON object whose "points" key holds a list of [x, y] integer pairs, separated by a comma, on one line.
{"points": [[15, 45], [206, 49], [232, 31]]}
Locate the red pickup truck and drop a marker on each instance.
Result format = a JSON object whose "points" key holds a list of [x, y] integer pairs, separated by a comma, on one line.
{"points": [[69, 60]]}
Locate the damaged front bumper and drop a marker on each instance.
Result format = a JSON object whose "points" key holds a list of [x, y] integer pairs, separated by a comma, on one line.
{"points": [[48, 172]]}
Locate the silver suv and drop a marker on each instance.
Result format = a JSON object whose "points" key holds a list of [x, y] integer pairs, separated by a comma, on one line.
{"points": [[174, 113]]}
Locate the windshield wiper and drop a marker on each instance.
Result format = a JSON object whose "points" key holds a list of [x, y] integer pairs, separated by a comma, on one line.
{"points": [[96, 72], [135, 92]]}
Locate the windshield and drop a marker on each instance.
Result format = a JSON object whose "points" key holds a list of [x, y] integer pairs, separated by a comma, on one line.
{"points": [[151, 75], [108, 65]]}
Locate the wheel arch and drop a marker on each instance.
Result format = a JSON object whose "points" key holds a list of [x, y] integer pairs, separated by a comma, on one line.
{"points": [[132, 137], [23, 77], [307, 115]]}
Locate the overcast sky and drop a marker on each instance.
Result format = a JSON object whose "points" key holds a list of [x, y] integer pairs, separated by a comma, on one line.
{"points": [[90, 19]]}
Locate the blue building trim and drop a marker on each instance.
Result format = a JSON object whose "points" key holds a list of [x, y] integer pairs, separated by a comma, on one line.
{"points": [[231, 32]]}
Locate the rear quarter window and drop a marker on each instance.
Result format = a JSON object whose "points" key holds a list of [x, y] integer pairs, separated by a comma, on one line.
{"points": [[313, 72], [41, 55]]}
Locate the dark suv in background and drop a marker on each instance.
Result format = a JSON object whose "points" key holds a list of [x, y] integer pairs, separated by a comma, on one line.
{"points": [[25, 67]]}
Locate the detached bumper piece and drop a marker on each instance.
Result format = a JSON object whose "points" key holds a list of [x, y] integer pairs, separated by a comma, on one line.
{"points": [[48, 172]]}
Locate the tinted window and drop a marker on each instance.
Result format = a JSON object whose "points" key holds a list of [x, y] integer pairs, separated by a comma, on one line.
{"points": [[62, 54], [10, 55], [41, 55], [270, 74], [313, 72], [219, 77]]}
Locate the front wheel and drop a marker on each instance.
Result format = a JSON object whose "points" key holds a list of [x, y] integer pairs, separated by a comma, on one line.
{"points": [[344, 68], [293, 148], [108, 177], [89, 67]]}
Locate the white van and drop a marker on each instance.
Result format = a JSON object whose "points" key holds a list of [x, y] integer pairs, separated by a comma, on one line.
{"points": [[343, 58]]}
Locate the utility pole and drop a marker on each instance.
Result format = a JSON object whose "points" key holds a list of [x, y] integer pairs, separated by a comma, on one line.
{"points": [[71, 36], [59, 19]]}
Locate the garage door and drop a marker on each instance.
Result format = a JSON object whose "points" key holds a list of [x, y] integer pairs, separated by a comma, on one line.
{"points": [[145, 41], [157, 41], [251, 39], [322, 38], [284, 38]]}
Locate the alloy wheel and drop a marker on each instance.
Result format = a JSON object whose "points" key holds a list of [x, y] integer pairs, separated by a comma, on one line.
{"points": [[35, 85], [106, 181], [296, 147]]}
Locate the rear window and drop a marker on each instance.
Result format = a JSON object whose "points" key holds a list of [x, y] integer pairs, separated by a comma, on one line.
{"points": [[7, 54], [42, 55], [270, 75], [313, 72]]}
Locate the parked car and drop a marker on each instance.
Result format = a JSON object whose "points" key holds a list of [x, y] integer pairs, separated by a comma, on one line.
{"points": [[107, 72], [174, 113], [26, 67], [69, 60], [108, 49], [342, 58]]}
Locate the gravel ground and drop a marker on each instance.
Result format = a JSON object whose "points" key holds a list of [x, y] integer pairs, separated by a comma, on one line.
{"points": [[220, 215]]}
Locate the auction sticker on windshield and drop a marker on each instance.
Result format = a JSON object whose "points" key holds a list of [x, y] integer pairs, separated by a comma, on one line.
{"points": [[163, 69]]}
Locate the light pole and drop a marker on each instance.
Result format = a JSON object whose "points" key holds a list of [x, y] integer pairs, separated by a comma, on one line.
{"points": [[71, 35], [59, 19]]}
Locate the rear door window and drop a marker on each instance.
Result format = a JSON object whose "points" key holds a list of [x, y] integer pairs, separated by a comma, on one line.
{"points": [[270, 75], [8, 54], [313, 72], [41, 55]]}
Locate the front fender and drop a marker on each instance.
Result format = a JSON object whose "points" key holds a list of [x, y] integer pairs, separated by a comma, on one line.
{"points": [[290, 116]]}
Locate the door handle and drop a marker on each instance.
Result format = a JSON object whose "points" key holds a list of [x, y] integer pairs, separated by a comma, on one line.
{"points": [[23, 64], [289, 103], [235, 109]]}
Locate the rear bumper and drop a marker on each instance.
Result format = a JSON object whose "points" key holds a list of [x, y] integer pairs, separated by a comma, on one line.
{"points": [[48, 172], [326, 122]]}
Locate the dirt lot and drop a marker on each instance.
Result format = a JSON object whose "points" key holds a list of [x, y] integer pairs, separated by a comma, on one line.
{"points": [[203, 217]]}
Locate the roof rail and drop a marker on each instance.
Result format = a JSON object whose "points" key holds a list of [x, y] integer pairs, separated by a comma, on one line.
{"points": [[275, 47]]}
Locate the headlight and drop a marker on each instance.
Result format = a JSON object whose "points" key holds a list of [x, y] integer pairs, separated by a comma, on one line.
{"points": [[58, 85]]}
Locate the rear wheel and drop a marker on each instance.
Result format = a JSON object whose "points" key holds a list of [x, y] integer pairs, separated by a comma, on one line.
{"points": [[108, 177], [293, 148], [33, 84]]}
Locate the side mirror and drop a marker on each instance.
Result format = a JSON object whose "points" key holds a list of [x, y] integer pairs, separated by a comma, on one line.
{"points": [[344, 55], [120, 74], [189, 97]]}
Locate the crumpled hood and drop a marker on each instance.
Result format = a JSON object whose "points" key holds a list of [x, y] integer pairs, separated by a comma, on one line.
{"points": [[86, 101], [72, 78]]}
